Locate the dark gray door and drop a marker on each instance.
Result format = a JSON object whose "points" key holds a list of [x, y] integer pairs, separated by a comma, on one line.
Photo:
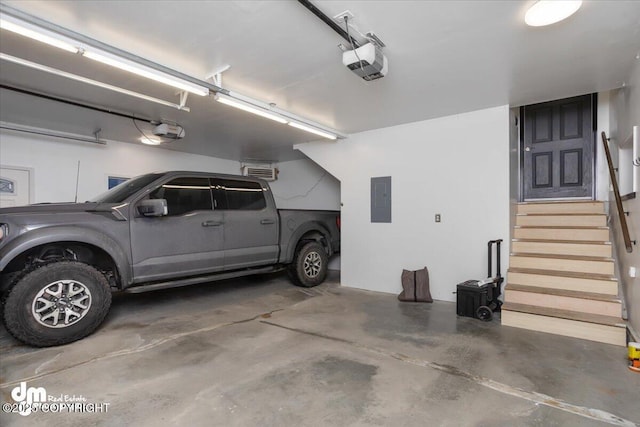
{"points": [[250, 225], [558, 149], [187, 241]]}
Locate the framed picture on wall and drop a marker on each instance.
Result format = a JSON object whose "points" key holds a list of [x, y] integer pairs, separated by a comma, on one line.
{"points": [[112, 181]]}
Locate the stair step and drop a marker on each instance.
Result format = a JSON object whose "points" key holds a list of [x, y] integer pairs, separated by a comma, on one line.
{"points": [[586, 242], [567, 257], [598, 249], [563, 300], [561, 280], [561, 274], [605, 329], [580, 264], [566, 314], [565, 293], [563, 233], [561, 207], [582, 220]]}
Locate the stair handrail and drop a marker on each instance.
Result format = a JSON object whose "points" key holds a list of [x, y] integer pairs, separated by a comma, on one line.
{"points": [[616, 192]]}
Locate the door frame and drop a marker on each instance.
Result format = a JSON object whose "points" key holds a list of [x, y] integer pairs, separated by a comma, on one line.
{"points": [[594, 131]]}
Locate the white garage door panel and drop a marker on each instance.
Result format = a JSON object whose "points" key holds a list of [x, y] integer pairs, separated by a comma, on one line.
{"points": [[15, 187]]}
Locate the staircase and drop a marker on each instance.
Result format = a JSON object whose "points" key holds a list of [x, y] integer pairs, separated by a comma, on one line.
{"points": [[561, 273]]}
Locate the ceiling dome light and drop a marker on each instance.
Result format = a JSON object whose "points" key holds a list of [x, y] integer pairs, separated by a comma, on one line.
{"points": [[547, 12]]}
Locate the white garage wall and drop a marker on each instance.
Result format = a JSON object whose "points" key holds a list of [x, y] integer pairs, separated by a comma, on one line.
{"points": [[55, 162], [457, 166], [625, 115], [302, 184]]}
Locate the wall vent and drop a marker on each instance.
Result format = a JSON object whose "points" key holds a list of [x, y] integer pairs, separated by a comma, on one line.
{"points": [[266, 172]]}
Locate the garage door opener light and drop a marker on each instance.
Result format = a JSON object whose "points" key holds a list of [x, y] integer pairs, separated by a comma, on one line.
{"points": [[150, 141]]}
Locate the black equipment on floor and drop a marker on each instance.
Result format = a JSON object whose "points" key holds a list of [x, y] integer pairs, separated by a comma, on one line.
{"points": [[479, 298]]}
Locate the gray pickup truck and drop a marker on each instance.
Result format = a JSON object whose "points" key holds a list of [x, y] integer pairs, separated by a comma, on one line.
{"points": [[59, 263]]}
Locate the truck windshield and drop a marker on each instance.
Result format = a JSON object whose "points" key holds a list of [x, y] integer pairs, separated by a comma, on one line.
{"points": [[121, 192]]}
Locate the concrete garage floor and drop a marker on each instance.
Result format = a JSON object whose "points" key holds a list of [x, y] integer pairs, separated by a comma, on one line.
{"points": [[261, 352]]}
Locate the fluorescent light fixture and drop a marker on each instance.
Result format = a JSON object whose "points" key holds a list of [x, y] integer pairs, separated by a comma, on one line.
{"points": [[547, 12], [150, 141], [91, 82], [83, 46], [260, 108], [245, 106], [269, 111], [51, 133], [144, 71], [313, 130], [40, 34], [52, 38]]}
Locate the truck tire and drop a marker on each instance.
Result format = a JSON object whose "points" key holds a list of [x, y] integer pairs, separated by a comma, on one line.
{"points": [[309, 267], [57, 303]]}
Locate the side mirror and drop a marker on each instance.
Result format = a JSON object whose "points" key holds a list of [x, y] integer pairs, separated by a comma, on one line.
{"points": [[153, 207]]}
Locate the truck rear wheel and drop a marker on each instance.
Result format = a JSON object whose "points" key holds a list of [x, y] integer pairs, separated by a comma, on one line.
{"points": [[309, 267], [57, 303]]}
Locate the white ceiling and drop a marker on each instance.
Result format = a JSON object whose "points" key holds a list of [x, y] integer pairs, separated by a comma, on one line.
{"points": [[445, 57]]}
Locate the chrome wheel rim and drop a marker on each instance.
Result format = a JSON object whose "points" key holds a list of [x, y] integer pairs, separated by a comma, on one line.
{"points": [[61, 304], [312, 264]]}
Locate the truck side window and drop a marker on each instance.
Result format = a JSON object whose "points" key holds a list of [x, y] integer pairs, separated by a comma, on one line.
{"points": [[241, 195], [185, 195]]}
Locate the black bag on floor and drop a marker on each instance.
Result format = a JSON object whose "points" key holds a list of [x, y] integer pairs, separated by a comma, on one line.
{"points": [[415, 286]]}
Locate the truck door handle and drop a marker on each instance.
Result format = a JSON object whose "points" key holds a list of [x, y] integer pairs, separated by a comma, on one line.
{"points": [[211, 223], [267, 221]]}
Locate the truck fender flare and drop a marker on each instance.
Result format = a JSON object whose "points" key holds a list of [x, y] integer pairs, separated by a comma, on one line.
{"points": [[303, 229], [46, 235]]}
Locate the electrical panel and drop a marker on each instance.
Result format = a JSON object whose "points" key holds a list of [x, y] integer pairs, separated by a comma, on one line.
{"points": [[381, 199]]}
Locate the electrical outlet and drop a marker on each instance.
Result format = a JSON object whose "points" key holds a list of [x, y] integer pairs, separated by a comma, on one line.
{"points": [[632, 272], [339, 18], [438, 218]]}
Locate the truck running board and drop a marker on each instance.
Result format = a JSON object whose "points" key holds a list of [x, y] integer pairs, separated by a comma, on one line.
{"points": [[136, 289]]}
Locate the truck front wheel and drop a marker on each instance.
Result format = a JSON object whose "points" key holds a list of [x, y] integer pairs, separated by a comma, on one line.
{"points": [[57, 303], [309, 267]]}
